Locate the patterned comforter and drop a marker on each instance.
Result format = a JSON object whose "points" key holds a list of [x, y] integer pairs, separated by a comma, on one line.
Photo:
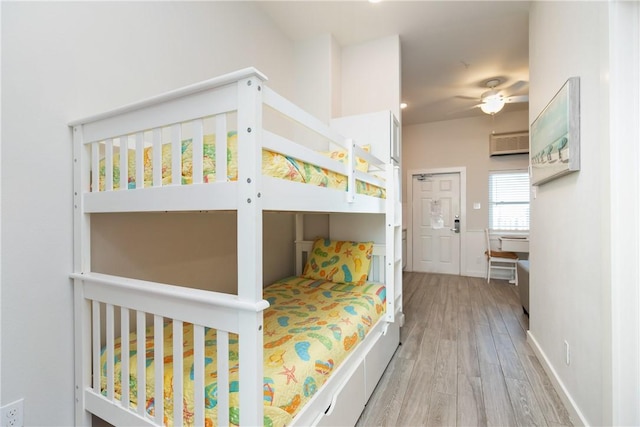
{"points": [[273, 164], [309, 329]]}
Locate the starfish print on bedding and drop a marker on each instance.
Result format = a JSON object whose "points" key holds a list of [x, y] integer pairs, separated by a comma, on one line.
{"points": [[348, 253], [346, 321], [290, 373]]}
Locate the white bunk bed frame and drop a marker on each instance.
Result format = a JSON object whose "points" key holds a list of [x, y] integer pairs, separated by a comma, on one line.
{"points": [[245, 93]]}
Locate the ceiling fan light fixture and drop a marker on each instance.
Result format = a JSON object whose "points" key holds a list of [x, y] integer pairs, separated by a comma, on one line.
{"points": [[492, 104]]}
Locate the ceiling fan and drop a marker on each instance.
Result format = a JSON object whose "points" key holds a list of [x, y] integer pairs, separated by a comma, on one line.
{"points": [[493, 100]]}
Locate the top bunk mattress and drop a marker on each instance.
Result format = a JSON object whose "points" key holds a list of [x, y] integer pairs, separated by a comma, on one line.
{"points": [[274, 165]]}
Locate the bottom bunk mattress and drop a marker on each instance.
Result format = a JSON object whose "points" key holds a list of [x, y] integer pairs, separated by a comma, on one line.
{"points": [[309, 329]]}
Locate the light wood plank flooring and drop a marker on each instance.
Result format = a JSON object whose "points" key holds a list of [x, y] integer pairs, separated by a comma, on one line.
{"points": [[464, 360]]}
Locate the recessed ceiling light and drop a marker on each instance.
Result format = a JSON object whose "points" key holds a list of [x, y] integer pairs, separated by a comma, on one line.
{"points": [[403, 105], [375, 1]]}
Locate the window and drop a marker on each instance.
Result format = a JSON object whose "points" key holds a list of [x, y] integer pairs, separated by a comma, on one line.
{"points": [[509, 200]]}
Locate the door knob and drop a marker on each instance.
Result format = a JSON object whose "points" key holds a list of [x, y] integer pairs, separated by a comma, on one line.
{"points": [[456, 225]]}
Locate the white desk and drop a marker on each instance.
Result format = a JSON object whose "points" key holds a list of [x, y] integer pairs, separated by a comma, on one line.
{"points": [[514, 244]]}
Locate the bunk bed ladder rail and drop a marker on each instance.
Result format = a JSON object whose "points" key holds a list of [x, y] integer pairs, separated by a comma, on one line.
{"points": [[393, 237], [98, 296]]}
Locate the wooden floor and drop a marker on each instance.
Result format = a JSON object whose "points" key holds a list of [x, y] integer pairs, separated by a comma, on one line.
{"points": [[463, 361]]}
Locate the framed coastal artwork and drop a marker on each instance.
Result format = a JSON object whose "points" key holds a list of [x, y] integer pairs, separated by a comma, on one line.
{"points": [[555, 136]]}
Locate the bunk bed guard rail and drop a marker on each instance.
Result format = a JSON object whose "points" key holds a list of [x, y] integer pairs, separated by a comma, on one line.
{"points": [[103, 296], [110, 151]]}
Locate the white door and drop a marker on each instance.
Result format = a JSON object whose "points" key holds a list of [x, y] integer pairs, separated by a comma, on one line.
{"points": [[436, 204]]}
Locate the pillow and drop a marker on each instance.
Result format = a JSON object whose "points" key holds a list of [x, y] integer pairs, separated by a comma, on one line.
{"points": [[341, 156], [339, 261]]}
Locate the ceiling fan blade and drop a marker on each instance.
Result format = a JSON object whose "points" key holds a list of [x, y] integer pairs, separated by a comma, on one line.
{"points": [[475, 98], [471, 107], [516, 86], [461, 110], [514, 99]]}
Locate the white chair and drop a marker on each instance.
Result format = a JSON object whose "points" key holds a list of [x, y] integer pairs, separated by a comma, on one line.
{"points": [[500, 260]]}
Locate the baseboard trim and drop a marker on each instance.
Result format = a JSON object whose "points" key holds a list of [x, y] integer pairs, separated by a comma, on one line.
{"points": [[475, 273], [575, 415]]}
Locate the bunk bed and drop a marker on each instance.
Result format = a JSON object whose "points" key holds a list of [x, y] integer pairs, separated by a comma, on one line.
{"points": [[218, 146]]}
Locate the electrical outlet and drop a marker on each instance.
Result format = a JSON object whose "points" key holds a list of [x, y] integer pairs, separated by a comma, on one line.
{"points": [[11, 415], [567, 353]]}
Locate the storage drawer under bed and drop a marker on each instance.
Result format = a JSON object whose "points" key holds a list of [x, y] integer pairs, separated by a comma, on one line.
{"points": [[348, 403], [378, 358]]}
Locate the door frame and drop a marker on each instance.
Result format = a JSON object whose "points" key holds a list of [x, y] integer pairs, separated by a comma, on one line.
{"points": [[621, 358], [462, 171]]}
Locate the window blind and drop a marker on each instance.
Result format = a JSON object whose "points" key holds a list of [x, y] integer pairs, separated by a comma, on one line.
{"points": [[509, 200]]}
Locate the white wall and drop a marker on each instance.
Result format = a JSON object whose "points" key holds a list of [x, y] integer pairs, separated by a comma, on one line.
{"points": [[570, 266], [315, 77], [371, 77], [61, 61]]}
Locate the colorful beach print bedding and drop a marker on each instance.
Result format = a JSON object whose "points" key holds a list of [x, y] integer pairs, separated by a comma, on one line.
{"points": [[309, 329], [273, 164], [339, 261]]}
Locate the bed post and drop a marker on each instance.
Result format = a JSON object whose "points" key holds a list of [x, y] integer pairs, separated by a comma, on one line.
{"points": [[351, 180], [81, 264], [250, 247], [299, 239]]}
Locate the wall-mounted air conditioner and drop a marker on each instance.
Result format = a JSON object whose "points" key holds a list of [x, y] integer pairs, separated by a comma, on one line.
{"points": [[501, 144]]}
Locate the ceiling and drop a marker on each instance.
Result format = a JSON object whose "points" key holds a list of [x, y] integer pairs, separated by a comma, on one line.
{"points": [[449, 49]]}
